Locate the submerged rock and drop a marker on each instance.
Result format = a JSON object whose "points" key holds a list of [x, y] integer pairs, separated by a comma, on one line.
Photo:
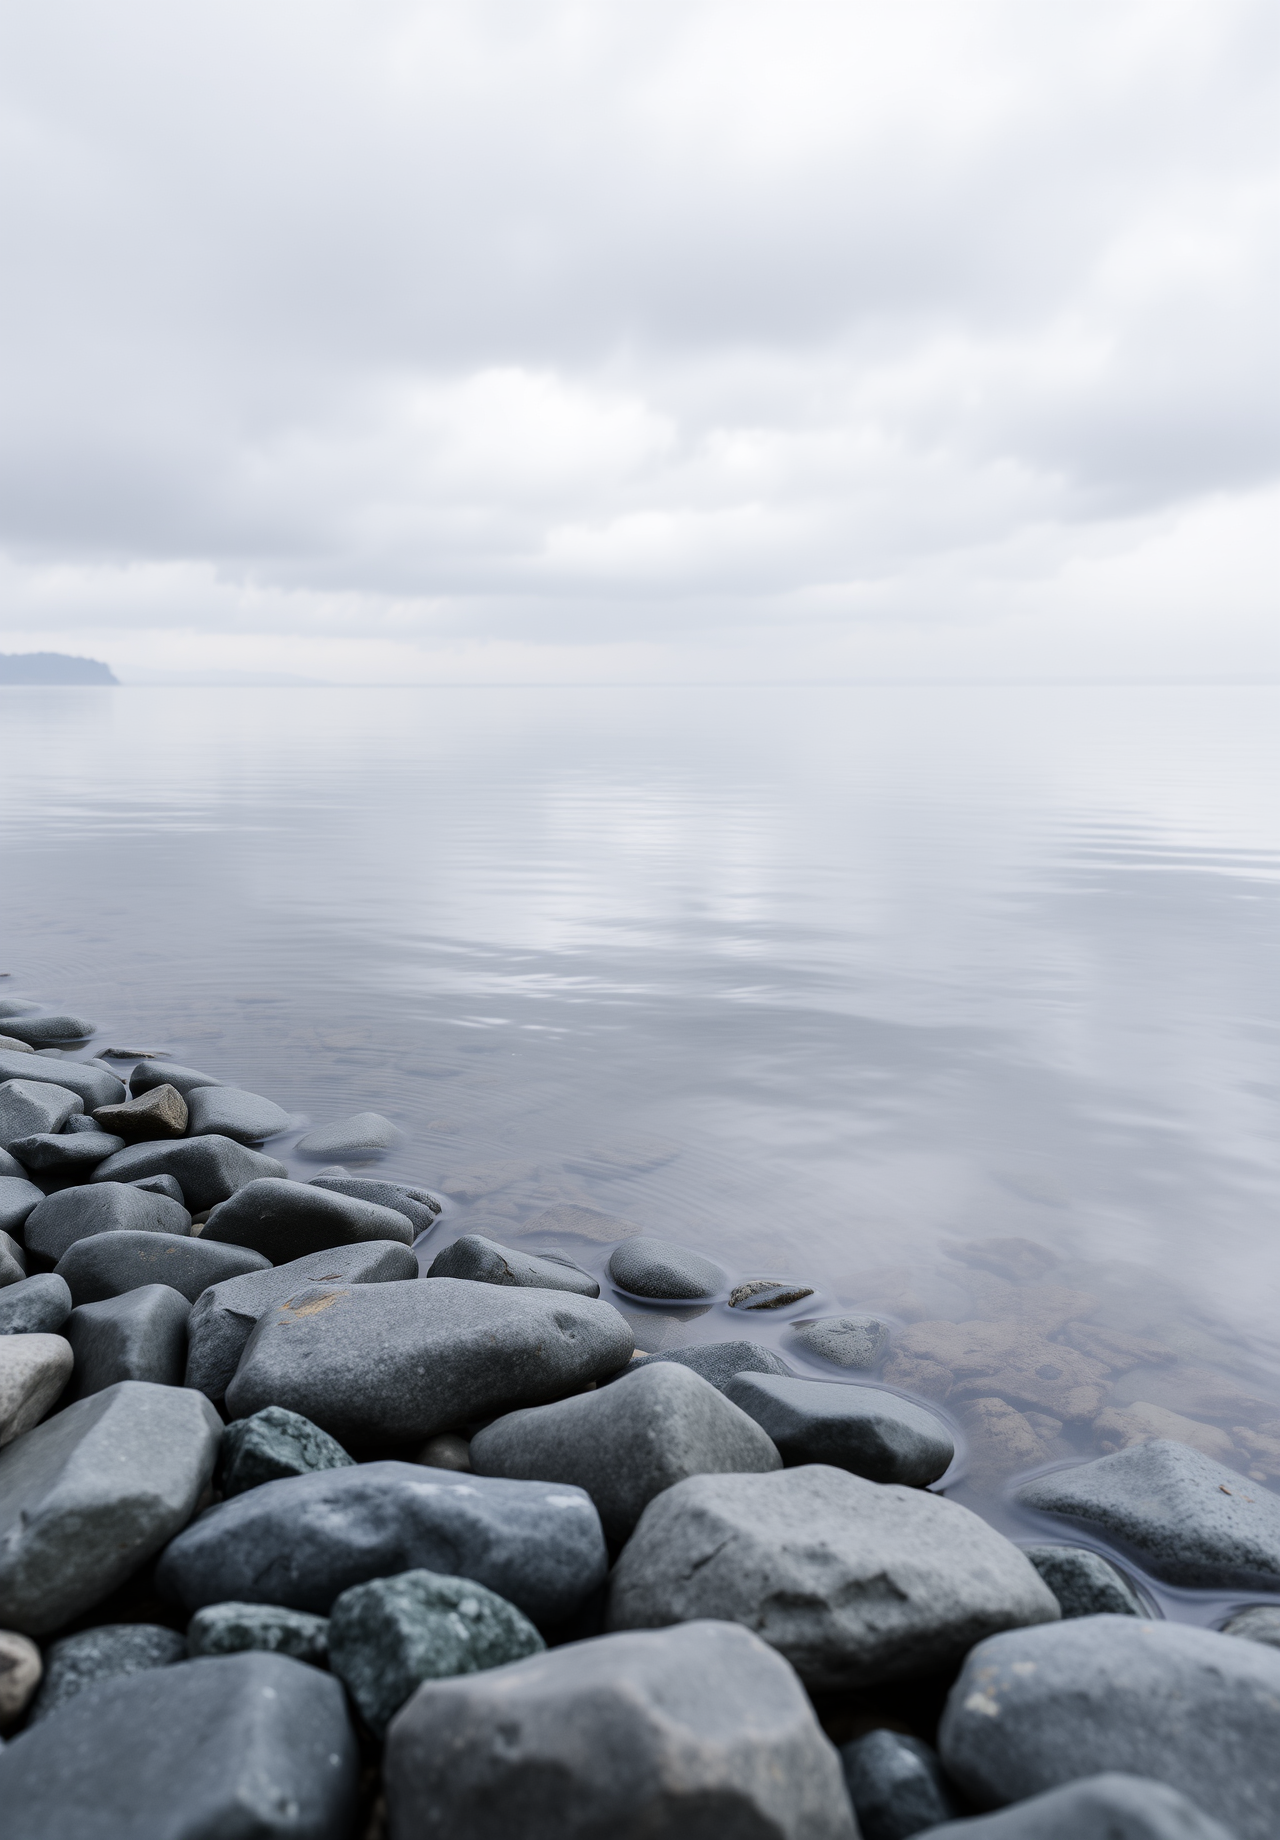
{"points": [[691, 1732], [303, 1541], [845, 1341], [238, 1745], [1038, 1707], [767, 1294], [141, 1335], [231, 1629], [109, 1264], [388, 1636], [363, 1134], [657, 1268], [287, 1220], [275, 1443], [854, 1582], [1084, 1583], [104, 1653], [859, 1428], [485, 1261], [627, 1442], [209, 1169]]}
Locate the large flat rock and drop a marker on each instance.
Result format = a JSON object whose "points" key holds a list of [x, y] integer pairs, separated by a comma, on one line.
{"points": [[304, 1540], [109, 1264], [393, 1362], [1183, 1517], [208, 1169], [287, 1220], [241, 1747], [95, 1207], [229, 1111], [1199, 1711], [689, 1733], [225, 1314], [88, 1496], [854, 1582]]}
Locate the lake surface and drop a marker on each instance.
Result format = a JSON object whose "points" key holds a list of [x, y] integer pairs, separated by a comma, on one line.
{"points": [[959, 1005]]}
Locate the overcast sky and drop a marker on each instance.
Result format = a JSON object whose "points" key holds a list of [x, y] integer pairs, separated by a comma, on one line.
{"points": [[691, 339]]}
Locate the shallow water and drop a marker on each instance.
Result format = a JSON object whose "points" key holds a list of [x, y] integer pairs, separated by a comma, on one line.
{"points": [[836, 985]]}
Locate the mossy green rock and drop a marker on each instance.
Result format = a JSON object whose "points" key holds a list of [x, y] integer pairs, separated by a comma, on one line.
{"points": [[229, 1629], [275, 1443]]}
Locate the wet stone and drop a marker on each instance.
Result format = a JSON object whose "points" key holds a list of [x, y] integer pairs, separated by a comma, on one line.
{"points": [[148, 1075], [105, 1653], [485, 1261], [91, 1494], [859, 1428], [224, 1315], [35, 1306], [230, 1112], [287, 1220], [1187, 1519], [100, 1207], [303, 1541], [896, 1784], [627, 1442], [1035, 1708], [419, 1207], [20, 1670], [657, 1268], [271, 1444], [1110, 1806], [140, 1335], [32, 1107], [245, 1745], [159, 1112], [718, 1362], [34, 1370], [43, 1031], [1259, 1623], [698, 1731], [363, 1134], [1084, 1583], [92, 1085], [449, 1352], [765, 1294], [208, 1169], [231, 1629], [109, 1264], [64, 1153], [388, 1636], [855, 1582], [845, 1341]]}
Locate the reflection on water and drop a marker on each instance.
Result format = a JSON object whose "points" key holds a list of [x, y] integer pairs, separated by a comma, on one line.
{"points": [[959, 1005]]}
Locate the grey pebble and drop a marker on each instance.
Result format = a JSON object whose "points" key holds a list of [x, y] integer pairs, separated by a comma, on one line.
{"points": [[209, 1169], [38, 1031], [35, 1306], [147, 1075], [1109, 1806], [79, 1122], [419, 1207], [65, 1151], [1037, 1707], [860, 1428], [272, 1444], [1187, 1519], [19, 1199], [855, 1582], [231, 1629], [108, 1264], [99, 1207], [34, 1370], [249, 1746], [31, 1107], [363, 1134], [224, 1315], [287, 1220], [691, 1733], [140, 1335], [657, 1268], [474, 1256], [104, 1653], [388, 1636], [845, 1341], [767, 1294], [89, 1495], [896, 1784], [93, 1085], [1084, 1583], [718, 1362], [448, 1352], [627, 1442], [230, 1112], [303, 1541]]}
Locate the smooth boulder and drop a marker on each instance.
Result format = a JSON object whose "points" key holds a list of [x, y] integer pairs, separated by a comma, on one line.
{"points": [[388, 1636], [88, 1496], [229, 1111], [447, 1352], [109, 1264], [34, 1369], [855, 1582], [1185, 1518], [688, 1733], [273, 1444], [231, 1629], [35, 1306], [303, 1541], [485, 1261], [658, 1268], [627, 1442], [1109, 1806], [99, 1207], [224, 1315], [92, 1084], [250, 1747], [1084, 1583], [19, 1199], [62, 1153], [860, 1428], [287, 1220], [105, 1653], [148, 1075], [419, 1207], [47, 1031], [139, 1335], [209, 1169], [33, 1107], [1193, 1709], [363, 1134], [159, 1113]]}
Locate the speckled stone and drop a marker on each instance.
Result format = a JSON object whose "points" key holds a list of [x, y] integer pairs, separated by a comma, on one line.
{"points": [[230, 1629], [103, 1653], [1084, 1583], [275, 1443]]}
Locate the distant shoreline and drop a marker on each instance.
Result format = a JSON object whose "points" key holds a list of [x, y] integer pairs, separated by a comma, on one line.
{"points": [[53, 668]]}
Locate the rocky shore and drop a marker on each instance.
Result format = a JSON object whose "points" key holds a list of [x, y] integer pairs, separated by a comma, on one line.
{"points": [[320, 1518]]}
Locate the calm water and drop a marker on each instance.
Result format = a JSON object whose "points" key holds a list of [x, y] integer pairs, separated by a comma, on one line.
{"points": [[837, 985]]}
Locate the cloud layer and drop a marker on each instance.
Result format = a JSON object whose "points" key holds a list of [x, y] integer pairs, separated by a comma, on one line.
{"points": [[546, 339]]}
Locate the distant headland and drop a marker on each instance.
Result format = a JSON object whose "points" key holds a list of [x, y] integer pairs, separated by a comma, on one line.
{"points": [[53, 668]]}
